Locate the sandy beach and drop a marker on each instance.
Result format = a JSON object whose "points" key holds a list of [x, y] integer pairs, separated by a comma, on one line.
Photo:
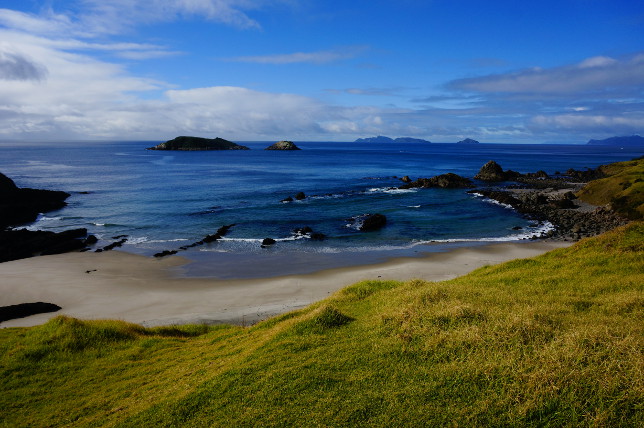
{"points": [[134, 288]]}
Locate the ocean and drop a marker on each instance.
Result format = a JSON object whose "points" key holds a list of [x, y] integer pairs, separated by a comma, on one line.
{"points": [[163, 200]]}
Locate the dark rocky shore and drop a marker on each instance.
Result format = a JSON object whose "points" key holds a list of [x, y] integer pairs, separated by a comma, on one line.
{"points": [[23, 205], [544, 198]]}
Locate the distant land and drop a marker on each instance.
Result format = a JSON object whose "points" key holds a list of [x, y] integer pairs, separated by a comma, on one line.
{"points": [[198, 143], [627, 141], [468, 141], [382, 139]]}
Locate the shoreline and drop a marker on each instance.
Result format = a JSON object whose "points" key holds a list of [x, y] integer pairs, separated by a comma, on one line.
{"points": [[150, 292]]}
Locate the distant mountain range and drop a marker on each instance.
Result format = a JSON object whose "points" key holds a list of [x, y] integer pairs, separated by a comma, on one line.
{"points": [[630, 141], [382, 139]]}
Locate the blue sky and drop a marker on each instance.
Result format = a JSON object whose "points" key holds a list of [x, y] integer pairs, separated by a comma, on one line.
{"points": [[497, 71]]}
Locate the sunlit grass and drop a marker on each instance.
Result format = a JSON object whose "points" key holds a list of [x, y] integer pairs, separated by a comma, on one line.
{"points": [[557, 340]]}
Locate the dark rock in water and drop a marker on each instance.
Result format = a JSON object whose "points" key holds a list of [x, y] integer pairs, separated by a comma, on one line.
{"points": [[268, 241], [300, 196], [198, 143], [211, 238], [91, 240], [517, 228], [283, 145], [373, 222], [303, 230], [22, 205], [287, 199], [113, 245], [23, 310], [22, 243], [445, 181], [468, 141], [165, 253], [406, 179]]}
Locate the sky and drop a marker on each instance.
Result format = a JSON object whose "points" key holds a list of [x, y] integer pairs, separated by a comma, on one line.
{"points": [[515, 71]]}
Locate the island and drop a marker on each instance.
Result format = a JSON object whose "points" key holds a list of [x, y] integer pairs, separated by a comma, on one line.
{"points": [[378, 139], [410, 140], [468, 141], [627, 141], [198, 143], [283, 145]]}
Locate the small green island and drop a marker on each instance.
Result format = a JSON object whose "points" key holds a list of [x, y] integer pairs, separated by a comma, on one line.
{"points": [[198, 143]]}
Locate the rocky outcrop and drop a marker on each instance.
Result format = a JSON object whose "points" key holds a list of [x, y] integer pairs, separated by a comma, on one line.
{"points": [[283, 145], [197, 143], [492, 171], [23, 243], [22, 205], [221, 232], [444, 181], [560, 210], [23, 310], [371, 222]]}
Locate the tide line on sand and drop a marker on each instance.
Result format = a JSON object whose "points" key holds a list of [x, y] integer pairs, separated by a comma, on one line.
{"points": [[139, 289]]}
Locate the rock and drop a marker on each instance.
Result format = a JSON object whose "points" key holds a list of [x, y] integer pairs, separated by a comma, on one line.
{"points": [[283, 145], [287, 199], [300, 196], [406, 179], [445, 181], [306, 230], [7, 185], [468, 141], [91, 240], [198, 143], [268, 241], [22, 310], [113, 245], [165, 253], [18, 244], [491, 171], [373, 222]]}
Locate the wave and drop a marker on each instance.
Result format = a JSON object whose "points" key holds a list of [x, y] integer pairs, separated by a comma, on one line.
{"points": [[492, 201]]}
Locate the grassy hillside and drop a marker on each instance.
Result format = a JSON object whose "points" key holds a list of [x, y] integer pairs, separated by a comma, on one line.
{"points": [[557, 340], [623, 189]]}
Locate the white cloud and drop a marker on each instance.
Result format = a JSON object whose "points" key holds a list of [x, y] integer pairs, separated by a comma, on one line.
{"points": [[319, 57], [593, 75], [608, 125]]}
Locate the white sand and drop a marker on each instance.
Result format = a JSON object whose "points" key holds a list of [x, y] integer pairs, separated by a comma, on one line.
{"points": [[144, 290]]}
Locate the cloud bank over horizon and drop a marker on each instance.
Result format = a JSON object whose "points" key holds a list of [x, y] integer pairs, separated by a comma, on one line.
{"points": [[107, 71]]}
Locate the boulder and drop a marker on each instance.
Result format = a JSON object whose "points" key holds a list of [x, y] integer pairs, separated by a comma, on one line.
{"points": [[372, 222], [268, 241], [491, 171], [300, 196], [444, 181], [283, 145]]}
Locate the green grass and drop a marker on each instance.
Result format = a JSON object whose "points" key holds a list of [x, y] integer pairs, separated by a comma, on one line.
{"points": [[623, 189], [557, 340]]}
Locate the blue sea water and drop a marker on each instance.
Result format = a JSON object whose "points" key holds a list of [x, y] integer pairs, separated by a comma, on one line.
{"points": [[162, 200]]}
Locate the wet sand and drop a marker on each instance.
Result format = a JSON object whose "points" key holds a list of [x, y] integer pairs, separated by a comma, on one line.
{"points": [[134, 288]]}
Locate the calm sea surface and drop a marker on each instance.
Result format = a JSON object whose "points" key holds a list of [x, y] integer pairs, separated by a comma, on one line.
{"points": [[162, 200]]}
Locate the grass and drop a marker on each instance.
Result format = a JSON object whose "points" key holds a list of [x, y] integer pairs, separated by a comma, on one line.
{"points": [[623, 189], [557, 340]]}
